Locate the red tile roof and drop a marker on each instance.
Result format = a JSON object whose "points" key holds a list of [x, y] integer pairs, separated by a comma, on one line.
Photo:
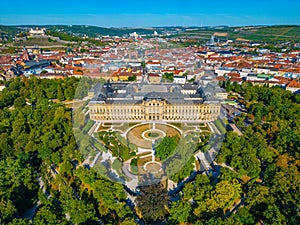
{"points": [[293, 84]]}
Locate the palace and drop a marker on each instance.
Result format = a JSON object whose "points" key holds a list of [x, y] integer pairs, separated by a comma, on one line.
{"points": [[124, 102]]}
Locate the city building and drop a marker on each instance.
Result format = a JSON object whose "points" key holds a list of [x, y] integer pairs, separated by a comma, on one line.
{"points": [[37, 31], [179, 79], [121, 102], [154, 78], [2, 86], [293, 86]]}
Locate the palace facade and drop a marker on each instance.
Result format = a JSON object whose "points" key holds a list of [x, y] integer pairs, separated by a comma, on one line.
{"points": [[120, 102]]}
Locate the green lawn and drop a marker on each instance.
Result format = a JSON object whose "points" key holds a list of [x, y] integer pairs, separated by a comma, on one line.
{"points": [[88, 126], [220, 126]]}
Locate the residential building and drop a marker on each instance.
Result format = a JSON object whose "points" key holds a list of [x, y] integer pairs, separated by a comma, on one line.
{"points": [[179, 80]]}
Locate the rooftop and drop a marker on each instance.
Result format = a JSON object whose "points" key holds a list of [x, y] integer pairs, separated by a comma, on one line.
{"points": [[133, 93]]}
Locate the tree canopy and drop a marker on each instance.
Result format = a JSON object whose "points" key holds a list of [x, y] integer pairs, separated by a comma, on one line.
{"points": [[255, 179]]}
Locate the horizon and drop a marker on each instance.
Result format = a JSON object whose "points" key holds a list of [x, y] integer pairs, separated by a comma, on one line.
{"points": [[151, 14], [150, 27]]}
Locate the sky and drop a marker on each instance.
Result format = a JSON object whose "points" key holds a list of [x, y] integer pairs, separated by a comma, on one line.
{"points": [[133, 13]]}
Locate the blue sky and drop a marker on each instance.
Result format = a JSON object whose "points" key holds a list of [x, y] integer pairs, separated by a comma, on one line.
{"points": [[133, 13]]}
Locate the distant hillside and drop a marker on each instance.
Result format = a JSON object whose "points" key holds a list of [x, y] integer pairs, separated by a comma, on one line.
{"points": [[93, 31], [9, 30], [40, 41], [270, 33], [251, 33]]}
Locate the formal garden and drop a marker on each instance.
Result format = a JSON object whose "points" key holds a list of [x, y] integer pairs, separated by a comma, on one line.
{"points": [[148, 146]]}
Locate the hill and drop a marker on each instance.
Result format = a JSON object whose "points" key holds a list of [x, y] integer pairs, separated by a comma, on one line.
{"points": [[250, 33], [9, 30], [270, 33], [94, 31]]}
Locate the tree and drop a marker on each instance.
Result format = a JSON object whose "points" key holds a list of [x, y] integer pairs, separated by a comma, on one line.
{"points": [[84, 50], [6, 145], [258, 194], [184, 171], [18, 184], [227, 174], [168, 77], [152, 203], [223, 195], [166, 147], [273, 215], [19, 222], [44, 72], [132, 78], [127, 221], [180, 212], [60, 94], [19, 102], [244, 216], [33, 138], [46, 215], [240, 154], [10, 179], [79, 210], [7, 211]]}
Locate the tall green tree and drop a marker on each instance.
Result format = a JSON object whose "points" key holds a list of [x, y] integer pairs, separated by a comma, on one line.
{"points": [[152, 203]]}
